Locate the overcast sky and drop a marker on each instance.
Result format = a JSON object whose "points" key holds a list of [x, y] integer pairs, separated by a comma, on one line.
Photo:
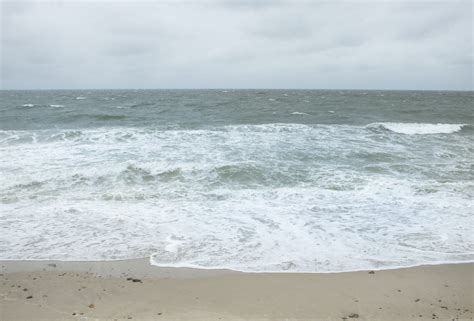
{"points": [[237, 44]]}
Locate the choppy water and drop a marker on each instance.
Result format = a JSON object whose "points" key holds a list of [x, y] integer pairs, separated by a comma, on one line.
{"points": [[268, 180]]}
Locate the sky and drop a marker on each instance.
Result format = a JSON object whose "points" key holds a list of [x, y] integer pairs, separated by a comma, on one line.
{"points": [[403, 44]]}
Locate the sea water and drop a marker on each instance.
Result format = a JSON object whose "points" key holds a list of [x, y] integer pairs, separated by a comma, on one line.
{"points": [[250, 180]]}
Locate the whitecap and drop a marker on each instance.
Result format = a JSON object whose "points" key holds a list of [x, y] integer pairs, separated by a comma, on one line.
{"points": [[28, 105], [56, 106], [81, 98], [298, 113], [418, 128]]}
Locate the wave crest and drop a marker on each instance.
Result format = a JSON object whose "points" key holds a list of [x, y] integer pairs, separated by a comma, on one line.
{"points": [[417, 128]]}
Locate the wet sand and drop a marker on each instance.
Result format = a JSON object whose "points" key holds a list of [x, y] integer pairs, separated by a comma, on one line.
{"points": [[134, 290]]}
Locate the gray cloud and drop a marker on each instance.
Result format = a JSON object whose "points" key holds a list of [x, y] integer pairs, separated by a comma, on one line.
{"points": [[238, 44]]}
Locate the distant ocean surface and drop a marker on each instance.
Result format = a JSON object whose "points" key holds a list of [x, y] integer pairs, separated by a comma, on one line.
{"points": [[251, 180]]}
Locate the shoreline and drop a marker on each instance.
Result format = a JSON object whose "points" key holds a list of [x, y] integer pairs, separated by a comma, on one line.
{"points": [[124, 289], [145, 263]]}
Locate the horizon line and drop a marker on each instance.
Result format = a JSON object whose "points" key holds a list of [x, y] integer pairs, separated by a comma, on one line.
{"points": [[229, 88]]}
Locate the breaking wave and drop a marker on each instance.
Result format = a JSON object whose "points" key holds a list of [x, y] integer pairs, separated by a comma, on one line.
{"points": [[418, 128]]}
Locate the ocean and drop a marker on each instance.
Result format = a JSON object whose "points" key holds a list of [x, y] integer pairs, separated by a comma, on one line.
{"points": [[249, 180]]}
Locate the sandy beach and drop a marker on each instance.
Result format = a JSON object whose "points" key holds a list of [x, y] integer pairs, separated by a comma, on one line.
{"points": [[133, 289]]}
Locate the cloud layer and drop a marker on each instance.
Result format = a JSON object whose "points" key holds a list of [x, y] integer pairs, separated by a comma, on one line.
{"points": [[237, 44]]}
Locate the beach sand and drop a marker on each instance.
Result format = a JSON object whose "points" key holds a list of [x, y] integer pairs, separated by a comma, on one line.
{"points": [[134, 290]]}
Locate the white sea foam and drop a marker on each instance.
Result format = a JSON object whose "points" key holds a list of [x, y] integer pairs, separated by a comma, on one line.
{"points": [[272, 197], [56, 106], [298, 113], [28, 105], [419, 128], [81, 98]]}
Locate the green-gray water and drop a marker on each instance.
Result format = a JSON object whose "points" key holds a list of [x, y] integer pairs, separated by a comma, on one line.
{"points": [[254, 180]]}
